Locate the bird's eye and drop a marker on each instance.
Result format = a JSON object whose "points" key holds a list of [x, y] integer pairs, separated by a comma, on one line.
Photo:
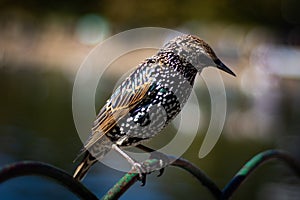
{"points": [[204, 60]]}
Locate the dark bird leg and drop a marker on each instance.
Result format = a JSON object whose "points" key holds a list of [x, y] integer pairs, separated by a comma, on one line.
{"points": [[156, 155]]}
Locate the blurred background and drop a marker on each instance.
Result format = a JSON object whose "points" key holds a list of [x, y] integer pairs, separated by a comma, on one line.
{"points": [[43, 43]]}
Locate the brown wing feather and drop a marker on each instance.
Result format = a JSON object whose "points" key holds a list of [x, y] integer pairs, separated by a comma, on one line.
{"points": [[109, 115]]}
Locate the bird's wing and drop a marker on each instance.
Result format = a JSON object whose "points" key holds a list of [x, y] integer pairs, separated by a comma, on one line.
{"points": [[119, 106], [126, 96]]}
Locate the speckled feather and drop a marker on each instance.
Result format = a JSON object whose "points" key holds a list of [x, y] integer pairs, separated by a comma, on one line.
{"points": [[148, 99]]}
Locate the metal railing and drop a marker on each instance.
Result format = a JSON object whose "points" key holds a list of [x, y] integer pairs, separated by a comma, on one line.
{"points": [[66, 180]]}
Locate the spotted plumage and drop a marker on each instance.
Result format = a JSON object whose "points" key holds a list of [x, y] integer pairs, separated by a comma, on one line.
{"points": [[149, 98]]}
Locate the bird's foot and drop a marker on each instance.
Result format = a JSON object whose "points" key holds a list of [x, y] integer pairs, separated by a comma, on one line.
{"points": [[148, 167], [163, 161], [142, 171]]}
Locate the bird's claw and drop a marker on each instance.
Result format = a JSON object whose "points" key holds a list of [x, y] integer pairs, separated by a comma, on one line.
{"points": [[142, 178], [161, 171], [141, 171], [163, 161]]}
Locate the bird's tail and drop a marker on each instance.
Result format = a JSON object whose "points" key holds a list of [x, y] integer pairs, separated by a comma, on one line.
{"points": [[96, 152], [84, 166]]}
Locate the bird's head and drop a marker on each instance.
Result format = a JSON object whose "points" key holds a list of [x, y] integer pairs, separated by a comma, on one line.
{"points": [[195, 51]]}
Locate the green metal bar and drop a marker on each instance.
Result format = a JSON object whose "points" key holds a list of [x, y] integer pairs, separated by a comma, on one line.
{"points": [[191, 168], [121, 186], [130, 178], [253, 164], [38, 168]]}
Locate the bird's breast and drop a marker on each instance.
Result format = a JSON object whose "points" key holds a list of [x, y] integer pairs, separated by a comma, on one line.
{"points": [[170, 86]]}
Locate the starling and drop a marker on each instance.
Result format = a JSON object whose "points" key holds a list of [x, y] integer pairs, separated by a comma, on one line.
{"points": [[148, 99]]}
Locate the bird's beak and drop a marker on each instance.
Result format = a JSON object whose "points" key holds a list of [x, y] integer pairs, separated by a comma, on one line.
{"points": [[223, 67]]}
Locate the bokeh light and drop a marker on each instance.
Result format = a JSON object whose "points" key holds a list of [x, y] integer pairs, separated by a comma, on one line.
{"points": [[92, 29]]}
